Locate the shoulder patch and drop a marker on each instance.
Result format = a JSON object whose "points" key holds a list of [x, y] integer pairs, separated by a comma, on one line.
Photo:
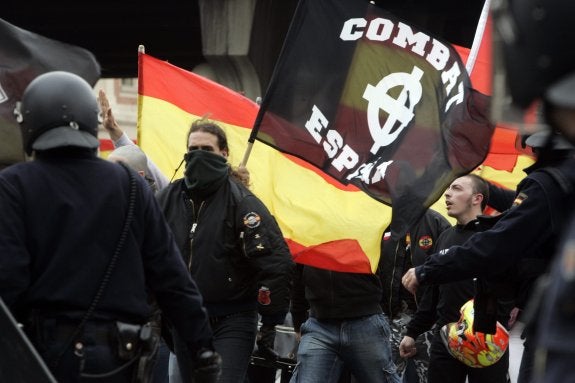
{"points": [[519, 199], [425, 242], [252, 220]]}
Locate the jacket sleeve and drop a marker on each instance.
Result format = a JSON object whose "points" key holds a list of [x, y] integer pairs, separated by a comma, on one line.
{"points": [[500, 198], [265, 246]]}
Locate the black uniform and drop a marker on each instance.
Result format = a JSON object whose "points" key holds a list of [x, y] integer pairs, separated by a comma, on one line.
{"points": [[60, 222], [556, 330]]}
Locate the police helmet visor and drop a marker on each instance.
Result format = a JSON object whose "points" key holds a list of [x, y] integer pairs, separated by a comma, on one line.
{"points": [[65, 136]]}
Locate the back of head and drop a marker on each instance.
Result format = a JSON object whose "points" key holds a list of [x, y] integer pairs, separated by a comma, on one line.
{"points": [[132, 156], [58, 109]]}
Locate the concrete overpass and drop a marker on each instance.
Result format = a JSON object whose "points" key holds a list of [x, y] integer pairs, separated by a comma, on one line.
{"points": [[234, 42]]}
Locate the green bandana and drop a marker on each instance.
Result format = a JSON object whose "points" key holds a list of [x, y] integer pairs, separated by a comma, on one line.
{"points": [[205, 172]]}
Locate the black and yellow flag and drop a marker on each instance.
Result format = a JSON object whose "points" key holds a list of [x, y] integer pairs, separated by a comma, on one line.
{"points": [[374, 102]]}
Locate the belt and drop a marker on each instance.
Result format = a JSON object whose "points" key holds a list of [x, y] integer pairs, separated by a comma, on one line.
{"points": [[92, 332], [216, 319]]}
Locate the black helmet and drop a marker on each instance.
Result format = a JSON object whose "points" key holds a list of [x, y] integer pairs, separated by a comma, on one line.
{"points": [[58, 109], [536, 46]]}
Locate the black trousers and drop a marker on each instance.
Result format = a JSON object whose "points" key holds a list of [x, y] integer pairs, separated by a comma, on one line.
{"points": [[444, 368]]}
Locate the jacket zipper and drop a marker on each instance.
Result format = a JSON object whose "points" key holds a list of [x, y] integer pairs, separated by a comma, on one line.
{"points": [[193, 229], [242, 240], [391, 292]]}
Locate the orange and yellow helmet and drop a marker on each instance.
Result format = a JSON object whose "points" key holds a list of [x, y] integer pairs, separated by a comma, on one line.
{"points": [[475, 349]]}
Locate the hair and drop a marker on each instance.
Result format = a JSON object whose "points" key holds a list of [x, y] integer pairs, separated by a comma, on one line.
{"points": [[205, 125], [480, 186]]}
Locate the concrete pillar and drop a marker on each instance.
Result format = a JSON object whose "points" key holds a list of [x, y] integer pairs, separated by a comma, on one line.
{"points": [[226, 29]]}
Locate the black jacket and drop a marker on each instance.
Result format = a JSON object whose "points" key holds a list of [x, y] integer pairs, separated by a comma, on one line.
{"points": [[333, 295], [441, 304], [60, 221], [398, 256], [556, 321], [232, 246]]}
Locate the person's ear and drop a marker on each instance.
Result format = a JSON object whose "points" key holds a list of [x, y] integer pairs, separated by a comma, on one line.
{"points": [[478, 198]]}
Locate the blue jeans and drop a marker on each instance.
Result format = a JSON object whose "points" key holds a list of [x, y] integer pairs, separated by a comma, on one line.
{"points": [[361, 345], [234, 340]]}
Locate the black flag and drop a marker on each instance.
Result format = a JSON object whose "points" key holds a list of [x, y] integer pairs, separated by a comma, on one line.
{"points": [[374, 102], [23, 56]]}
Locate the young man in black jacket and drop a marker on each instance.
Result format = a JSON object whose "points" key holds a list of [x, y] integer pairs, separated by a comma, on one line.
{"points": [[233, 248], [465, 198]]}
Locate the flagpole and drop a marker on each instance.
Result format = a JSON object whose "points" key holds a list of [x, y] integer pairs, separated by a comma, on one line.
{"points": [[141, 51], [478, 37], [250, 142]]}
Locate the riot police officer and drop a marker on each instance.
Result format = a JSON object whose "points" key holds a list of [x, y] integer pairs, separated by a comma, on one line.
{"points": [[82, 242]]}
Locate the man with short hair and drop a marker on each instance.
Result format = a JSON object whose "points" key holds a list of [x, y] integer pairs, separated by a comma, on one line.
{"points": [[465, 199]]}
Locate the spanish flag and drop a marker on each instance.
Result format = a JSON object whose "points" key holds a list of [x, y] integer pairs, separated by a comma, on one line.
{"points": [[325, 223]]}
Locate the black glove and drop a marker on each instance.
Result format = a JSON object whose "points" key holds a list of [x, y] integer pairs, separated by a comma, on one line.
{"points": [[207, 367], [266, 341]]}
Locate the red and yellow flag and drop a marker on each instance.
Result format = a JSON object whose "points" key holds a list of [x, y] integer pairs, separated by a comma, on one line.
{"points": [[326, 224]]}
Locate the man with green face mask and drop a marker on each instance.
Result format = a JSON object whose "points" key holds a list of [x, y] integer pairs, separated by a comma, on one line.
{"points": [[233, 248]]}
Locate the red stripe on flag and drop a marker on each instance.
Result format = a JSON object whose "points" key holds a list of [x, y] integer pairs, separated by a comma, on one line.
{"points": [[192, 91]]}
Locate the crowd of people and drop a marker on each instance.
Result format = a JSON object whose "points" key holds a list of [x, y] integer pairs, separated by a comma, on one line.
{"points": [[118, 274]]}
